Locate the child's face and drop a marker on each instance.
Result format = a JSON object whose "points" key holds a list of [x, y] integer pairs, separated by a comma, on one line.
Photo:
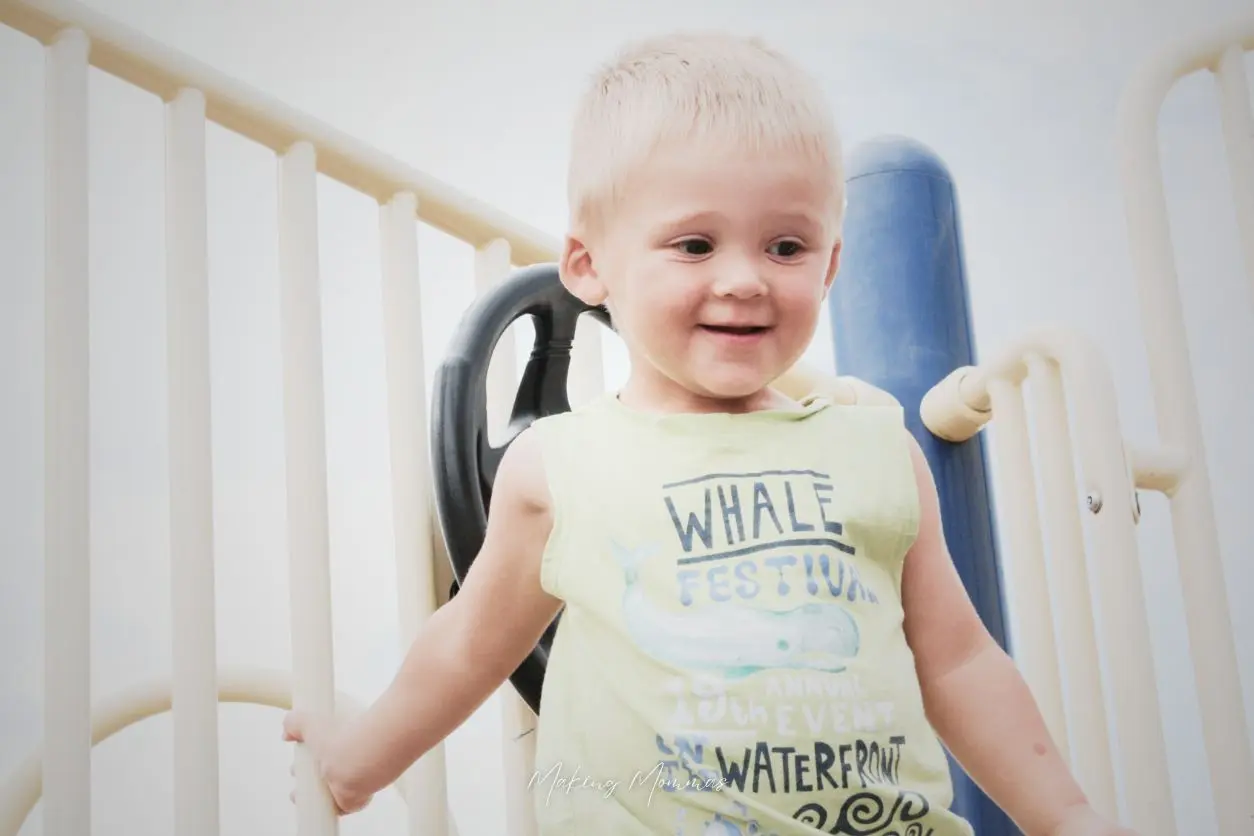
{"points": [[714, 266]]}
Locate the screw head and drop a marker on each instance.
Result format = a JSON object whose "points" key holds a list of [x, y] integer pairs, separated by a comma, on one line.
{"points": [[1094, 501]]}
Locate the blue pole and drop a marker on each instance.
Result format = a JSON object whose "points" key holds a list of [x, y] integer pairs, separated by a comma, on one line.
{"points": [[901, 321]]}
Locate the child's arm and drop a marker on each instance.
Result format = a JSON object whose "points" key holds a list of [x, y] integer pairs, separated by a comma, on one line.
{"points": [[462, 653], [974, 695]]}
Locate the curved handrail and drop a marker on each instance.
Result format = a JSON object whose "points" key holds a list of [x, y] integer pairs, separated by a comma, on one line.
{"points": [[255, 686], [958, 406], [139, 60], [1220, 49], [1155, 77], [1070, 368]]}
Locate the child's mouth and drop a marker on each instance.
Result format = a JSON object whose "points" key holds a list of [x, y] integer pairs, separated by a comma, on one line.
{"points": [[737, 330]]}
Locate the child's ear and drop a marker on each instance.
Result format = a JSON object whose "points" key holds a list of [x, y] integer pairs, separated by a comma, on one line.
{"points": [[833, 266], [579, 274]]}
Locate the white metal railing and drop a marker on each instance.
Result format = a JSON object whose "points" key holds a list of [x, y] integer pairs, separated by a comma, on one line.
{"points": [[955, 410], [76, 39], [1222, 53], [1061, 368]]}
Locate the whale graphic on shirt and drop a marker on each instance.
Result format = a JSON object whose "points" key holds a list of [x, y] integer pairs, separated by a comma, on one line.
{"points": [[734, 639]]}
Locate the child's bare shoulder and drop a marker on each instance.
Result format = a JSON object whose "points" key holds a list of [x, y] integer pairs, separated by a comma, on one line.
{"points": [[520, 486], [503, 586]]}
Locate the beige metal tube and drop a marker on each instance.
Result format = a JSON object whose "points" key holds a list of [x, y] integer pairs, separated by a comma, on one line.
{"points": [[1212, 645], [518, 722], [304, 424], [587, 364], [803, 379], [154, 67], [1120, 591], [1033, 637], [1159, 469], [67, 459], [254, 686], [1238, 128], [492, 265], [194, 631], [426, 781], [1073, 603]]}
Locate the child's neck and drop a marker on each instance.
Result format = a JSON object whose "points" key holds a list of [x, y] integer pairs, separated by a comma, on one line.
{"points": [[671, 397]]}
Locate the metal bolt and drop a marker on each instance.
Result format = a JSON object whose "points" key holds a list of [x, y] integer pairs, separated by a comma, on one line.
{"points": [[1094, 501]]}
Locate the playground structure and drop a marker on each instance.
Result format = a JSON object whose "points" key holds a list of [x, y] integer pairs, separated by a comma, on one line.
{"points": [[1078, 441]]}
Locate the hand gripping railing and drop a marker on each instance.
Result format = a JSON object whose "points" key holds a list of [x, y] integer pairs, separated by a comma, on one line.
{"points": [[1053, 603], [76, 39], [20, 794]]}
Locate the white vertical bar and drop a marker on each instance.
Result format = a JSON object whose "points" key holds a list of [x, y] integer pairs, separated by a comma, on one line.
{"points": [[313, 677], [1238, 127], [520, 727], [67, 417], [587, 366], [1214, 656], [1121, 597], [1033, 639], [427, 790], [492, 264], [194, 682], [1086, 707], [1192, 507]]}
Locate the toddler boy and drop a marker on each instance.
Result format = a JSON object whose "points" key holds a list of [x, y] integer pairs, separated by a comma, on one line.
{"points": [[763, 631]]}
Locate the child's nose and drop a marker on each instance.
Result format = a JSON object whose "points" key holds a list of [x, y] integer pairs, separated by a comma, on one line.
{"points": [[738, 279]]}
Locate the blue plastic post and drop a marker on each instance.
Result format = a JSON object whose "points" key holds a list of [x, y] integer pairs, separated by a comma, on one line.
{"points": [[901, 321]]}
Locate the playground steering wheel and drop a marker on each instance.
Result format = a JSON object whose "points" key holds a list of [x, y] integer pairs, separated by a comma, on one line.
{"points": [[463, 460]]}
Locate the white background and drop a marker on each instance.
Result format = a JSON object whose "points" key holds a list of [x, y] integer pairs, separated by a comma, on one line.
{"points": [[1018, 98]]}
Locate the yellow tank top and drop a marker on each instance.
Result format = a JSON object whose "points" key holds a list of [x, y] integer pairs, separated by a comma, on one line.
{"points": [[730, 657]]}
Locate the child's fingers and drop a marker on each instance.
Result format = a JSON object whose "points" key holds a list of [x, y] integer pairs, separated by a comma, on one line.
{"points": [[294, 727]]}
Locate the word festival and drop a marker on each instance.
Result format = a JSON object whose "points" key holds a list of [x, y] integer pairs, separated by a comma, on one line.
{"points": [[740, 533]]}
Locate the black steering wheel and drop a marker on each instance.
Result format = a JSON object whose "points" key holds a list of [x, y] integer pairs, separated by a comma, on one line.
{"points": [[463, 461]]}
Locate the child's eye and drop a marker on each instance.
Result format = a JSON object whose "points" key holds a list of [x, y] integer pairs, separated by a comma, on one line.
{"points": [[695, 246], [786, 249]]}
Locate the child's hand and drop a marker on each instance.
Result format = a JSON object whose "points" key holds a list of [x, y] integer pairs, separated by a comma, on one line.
{"points": [[318, 734], [1085, 821]]}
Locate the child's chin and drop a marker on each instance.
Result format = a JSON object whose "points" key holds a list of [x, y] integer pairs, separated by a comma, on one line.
{"points": [[731, 386]]}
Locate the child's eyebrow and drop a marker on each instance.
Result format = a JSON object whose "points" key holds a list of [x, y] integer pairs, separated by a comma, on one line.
{"points": [[810, 221], [804, 220], [672, 224]]}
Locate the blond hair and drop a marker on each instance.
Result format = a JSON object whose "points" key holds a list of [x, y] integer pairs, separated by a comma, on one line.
{"points": [[693, 87]]}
